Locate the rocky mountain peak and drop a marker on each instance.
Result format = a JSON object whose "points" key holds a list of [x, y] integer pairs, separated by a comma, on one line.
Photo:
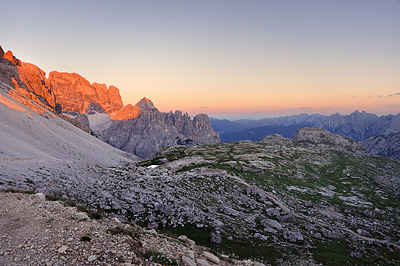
{"points": [[145, 104], [75, 93], [1, 51], [10, 57], [27, 79], [140, 129]]}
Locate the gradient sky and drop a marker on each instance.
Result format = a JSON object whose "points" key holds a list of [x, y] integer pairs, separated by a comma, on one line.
{"points": [[226, 58]]}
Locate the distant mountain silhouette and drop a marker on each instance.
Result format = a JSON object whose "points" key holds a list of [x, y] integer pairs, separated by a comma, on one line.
{"points": [[356, 126]]}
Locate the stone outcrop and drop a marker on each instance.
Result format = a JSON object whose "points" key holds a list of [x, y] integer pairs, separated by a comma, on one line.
{"points": [[75, 93], [324, 139], [27, 79], [126, 112], [139, 129], [152, 130]]}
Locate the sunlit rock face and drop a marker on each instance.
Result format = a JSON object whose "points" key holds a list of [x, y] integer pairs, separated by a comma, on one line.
{"points": [[75, 93], [27, 79], [139, 129]]}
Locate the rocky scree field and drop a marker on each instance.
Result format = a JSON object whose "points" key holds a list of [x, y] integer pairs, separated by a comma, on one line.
{"points": [[317, 197]]}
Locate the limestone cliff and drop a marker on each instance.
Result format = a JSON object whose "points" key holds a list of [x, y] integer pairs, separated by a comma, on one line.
{"points": [[27, 79], [75, 93], [139, 129], [152, 130]]}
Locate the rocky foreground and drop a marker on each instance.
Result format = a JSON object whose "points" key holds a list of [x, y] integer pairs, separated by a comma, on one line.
{"points": [[35, 231]]}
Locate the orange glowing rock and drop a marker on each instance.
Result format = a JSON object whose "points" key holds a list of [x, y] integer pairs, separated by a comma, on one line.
{"points": [[10, 57], [125, 113], [75, 93], [27, 79]]}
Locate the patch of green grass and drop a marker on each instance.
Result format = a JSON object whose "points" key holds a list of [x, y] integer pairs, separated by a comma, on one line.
{"points": [[96, 215], [238, 248], [333, 254], [161, 258], [118, 230], [154, 161], [85, 238]]}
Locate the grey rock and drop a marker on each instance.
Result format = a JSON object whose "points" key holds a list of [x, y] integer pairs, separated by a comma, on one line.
{"points": [[317, 236], [268, 223], [270, 230], [187, 240], [152, 225], [369, 213], [201, 262], [230, 211], [92, 258], [188, 261], [260, 237], [272, 212], [287, 218], [363, 232], [292, 236], [333, 234], [215, 237], [211, 257], [152, 130], [356, 254], [324, 140]]}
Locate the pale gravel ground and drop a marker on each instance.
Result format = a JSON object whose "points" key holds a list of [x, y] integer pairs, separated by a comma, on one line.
{"points": [[35, 231]]}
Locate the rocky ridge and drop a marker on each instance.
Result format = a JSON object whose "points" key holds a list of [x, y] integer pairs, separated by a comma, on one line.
{"points": [[27, 79], [152, 130], [386, 145], [139, 129], [356, 126], [75, 93]]}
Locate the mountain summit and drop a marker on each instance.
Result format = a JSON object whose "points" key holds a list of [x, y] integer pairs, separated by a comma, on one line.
{"points": [[139, 129]]}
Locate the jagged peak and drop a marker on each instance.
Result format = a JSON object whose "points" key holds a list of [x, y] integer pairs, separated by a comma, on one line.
{"points": [[146, 99], [1, 51], [145, 104], [10, 57]]}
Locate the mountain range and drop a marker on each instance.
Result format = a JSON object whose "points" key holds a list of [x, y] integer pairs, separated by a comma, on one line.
{"points": [[311, 199], [138, 129], [356, 126]]}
